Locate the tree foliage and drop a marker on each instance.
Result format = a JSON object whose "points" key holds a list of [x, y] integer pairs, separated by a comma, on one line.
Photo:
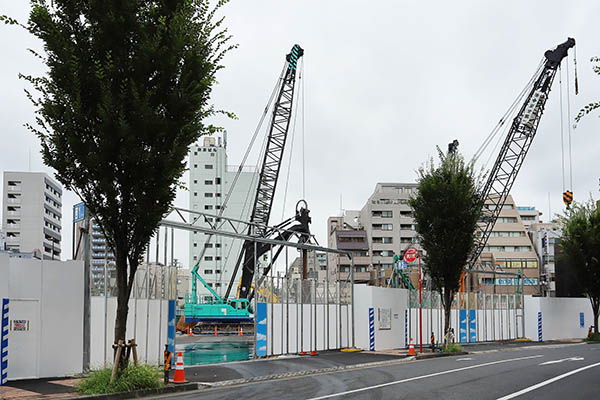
{"points": [[125, 94], [591, 106], [580, 245], [446, 210]]}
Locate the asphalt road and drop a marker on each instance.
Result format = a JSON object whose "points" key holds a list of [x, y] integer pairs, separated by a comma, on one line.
{"points": [[547, 372]]}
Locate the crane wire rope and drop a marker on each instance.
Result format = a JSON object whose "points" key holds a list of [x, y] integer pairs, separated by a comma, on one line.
{"points": [[244, 159], [569, 126], [303, 147], [562, 139], [255, 176], [287, 180], [506, 116]]}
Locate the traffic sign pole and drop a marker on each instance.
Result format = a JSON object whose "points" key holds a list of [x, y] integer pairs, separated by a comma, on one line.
{"points": [[410, 255]]}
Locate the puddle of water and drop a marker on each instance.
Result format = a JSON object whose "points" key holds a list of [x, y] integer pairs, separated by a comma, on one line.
{"points": [[208, 353]]}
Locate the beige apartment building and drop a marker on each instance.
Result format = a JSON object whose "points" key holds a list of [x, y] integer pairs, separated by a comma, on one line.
{"points": [[509, 249]]}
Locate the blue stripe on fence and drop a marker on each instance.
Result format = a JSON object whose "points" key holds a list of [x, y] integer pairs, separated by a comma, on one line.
{"points": [[406, 329], [4, 343], [371, 329], [539, 326]]}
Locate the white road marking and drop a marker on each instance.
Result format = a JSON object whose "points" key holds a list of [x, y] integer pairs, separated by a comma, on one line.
{"points": [[547, 382], [424, 377], [464, 359], [564, 359]]}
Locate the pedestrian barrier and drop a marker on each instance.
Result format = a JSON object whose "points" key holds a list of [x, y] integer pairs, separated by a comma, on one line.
{"points": [[371, 329]]}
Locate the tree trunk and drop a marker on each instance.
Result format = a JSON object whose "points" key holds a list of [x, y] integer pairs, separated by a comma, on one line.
{"points": [[595, 310], [447, 311], [122, 302]]}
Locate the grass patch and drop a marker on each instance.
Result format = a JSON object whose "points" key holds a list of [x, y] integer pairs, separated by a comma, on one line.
{"points": [[131, 378], [595, 337], [452, 348]]}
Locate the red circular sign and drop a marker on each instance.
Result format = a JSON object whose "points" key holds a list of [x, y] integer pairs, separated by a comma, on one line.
{"points": [[410, 255]]}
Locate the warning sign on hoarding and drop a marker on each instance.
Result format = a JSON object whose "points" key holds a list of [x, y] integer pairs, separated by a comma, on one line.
{"points": [[19, 325], [385, 318]]}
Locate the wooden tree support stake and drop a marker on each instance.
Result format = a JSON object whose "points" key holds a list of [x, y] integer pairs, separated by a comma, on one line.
{"points": [[116, 362]]}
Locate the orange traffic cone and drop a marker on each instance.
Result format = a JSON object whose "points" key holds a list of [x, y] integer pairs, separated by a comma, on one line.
{"points": [[179, 376], [190, 332], [241, 333], [216, 334], [411, 348]]}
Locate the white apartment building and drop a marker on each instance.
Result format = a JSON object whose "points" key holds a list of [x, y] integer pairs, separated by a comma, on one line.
{"points": [[31, 213], [211, 179], [545, 237], [387, 219]]}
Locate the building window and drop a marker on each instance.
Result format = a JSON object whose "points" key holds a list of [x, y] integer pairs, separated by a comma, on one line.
{"points": [[382, 214], [208, 272], [217, 194], [195, 194], [195, 181], [208, 166], [217, 271], [208, 182], [208, 195], [208, 207], [407, 227], [507, 220], [383, 240], [217, 181], [383, 227], [208, 258], [208, 245], [195, 165], [195, 244]]}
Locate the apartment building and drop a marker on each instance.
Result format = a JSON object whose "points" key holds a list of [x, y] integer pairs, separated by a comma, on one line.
{"points": [[509, 249], [316, 266], [211, 179], [349, 237], [31, 214], [545, 238]]}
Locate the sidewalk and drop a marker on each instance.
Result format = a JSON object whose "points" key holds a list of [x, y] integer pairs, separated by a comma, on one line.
{"points": [[54, 388]]}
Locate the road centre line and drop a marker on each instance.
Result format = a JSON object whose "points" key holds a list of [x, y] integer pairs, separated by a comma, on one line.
{"points": [[423, 377], [547, 382]]}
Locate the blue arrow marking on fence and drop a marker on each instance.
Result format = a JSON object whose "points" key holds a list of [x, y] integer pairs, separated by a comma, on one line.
{"points": [[371, 329]]}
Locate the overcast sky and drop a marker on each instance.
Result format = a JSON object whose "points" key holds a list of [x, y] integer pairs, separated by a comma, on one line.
{"points": [[385, 82]]}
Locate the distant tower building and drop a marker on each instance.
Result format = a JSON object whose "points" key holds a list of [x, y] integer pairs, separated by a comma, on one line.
{"points": [[101, 257], [211, 179], [31, 213]]}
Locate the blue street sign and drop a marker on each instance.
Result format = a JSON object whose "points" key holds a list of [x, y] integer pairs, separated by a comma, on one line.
{"points": [[78, 212], [402, 264]]}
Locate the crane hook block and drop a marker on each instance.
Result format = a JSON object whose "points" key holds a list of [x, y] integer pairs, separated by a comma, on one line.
{"points": [[568, 198]]}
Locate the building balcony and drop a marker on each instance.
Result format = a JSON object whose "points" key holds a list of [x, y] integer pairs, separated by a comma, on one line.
{"points": [[13, 239], [14, 200], [13, 213], [14, 188], [13, 227], [99, 240]]}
